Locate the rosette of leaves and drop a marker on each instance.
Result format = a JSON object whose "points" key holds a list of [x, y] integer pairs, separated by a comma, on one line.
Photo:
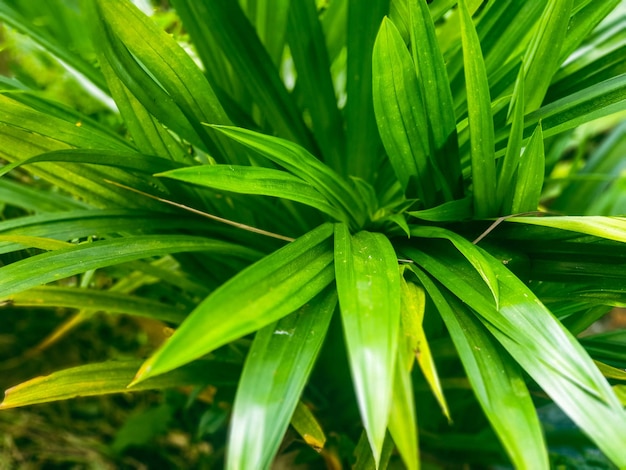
{"points": [[322, 195]]}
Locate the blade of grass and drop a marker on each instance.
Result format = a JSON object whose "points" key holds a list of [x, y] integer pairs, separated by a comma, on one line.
{"points": [[302, 164], [413, 304]]}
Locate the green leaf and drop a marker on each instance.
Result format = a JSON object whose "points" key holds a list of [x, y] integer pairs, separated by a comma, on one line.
{"points": [[413, 305], [261, 294], [96, 300], [509, 164], [402, 419], [302, 164], [541, 345], [14, 19], [278, 365], [127, 161], [480, 119], [368, 283], [363, 142], [240, 44], [304, 422], [452, 211], [544, 51], [112, 377], [496, 380], [400, 113], [168, 63], [365, 460], [470, 251], [611, 228], [59, 264], [439, 109], [315, 83], [255, 180], [530, 172], [35, 242]]}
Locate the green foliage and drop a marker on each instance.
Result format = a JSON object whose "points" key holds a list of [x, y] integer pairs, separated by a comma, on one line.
{"points": [[315, 196]]}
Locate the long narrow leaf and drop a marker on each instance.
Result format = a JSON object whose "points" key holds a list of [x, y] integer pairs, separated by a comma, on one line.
{"points": [[480, 119], [368, 283], [437, 98], [496, 380], [530, 173], [259, 295], [112, 377], [546, 350], [255, 180], [304, 165], [96, 300], [400, 114], [59, 264], [543, 53], [278, 364]]}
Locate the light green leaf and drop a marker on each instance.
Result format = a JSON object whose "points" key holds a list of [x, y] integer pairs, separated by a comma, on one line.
{"points": [[14, 19], [530, 173], [305, 423], [413, 304], [480, 119], [34, 242], [611, 228], [544, 51], [112, 377], [302, 164], [452, 211], [400, 115], [261, 294], [508, 165], [496, 381], [59, 264], [402, 419], [438, 106], [368, 283], [255, 180], [470, 251], [278, 365]]}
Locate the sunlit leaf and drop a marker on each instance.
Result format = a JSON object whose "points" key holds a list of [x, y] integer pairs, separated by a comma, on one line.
{"points": [[278, 364], [112, 377], [259, 295], [368, 283]]}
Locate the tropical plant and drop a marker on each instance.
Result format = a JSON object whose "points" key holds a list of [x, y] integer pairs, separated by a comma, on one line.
{"points": [[317, 196]]}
